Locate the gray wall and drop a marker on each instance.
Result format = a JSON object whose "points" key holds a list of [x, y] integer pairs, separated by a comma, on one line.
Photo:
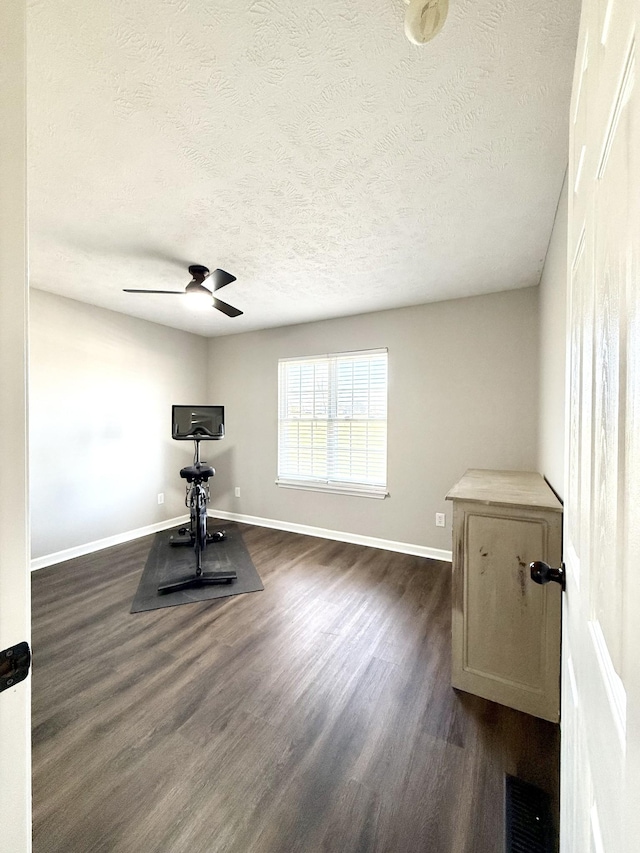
{"points": [[101, 390], [463, 392], [553, 341]]}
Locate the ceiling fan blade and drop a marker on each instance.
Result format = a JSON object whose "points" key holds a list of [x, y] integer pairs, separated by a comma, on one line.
{"points": [[229, 310], [131, 290], [219, 278]]}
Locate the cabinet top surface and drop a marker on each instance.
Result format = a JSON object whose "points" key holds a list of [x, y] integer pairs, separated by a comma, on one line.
{"points": [[513, 488]]}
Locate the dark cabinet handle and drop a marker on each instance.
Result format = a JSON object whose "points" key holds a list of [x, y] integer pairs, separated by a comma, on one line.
{"points": [[542, 573]]}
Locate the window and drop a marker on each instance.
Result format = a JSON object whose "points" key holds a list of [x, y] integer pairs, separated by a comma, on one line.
{"points": [[332, 430]]}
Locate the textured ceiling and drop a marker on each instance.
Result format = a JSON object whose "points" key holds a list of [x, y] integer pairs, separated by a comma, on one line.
{"points": [[308, 148]]}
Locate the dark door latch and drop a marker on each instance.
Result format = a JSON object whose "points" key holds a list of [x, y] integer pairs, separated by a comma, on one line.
{"points": [[14, 665], [542, 572]]}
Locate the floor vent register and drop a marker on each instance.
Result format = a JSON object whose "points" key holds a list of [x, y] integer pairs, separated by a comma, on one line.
{"points": [[528, 821]]}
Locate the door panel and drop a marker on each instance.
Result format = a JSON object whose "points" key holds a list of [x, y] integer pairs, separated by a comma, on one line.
{"points": [[513, 646], [600, 762]]}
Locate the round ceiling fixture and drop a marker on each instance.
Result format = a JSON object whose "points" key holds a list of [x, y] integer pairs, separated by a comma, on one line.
{"points": [[424, 19]]}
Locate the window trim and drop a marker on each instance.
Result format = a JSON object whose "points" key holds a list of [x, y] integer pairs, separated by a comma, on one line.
{"points": [[331, 486], [355, 353], [335, 488]]}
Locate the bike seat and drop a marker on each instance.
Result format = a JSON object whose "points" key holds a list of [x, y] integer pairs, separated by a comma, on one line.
{"points": [[202, 471]]}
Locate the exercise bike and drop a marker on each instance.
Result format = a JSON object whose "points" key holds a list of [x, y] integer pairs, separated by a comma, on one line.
{"points": [[197, 534]]}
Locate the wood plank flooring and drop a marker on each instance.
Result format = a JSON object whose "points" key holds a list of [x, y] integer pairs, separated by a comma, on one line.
{"points": [[314, 717]]}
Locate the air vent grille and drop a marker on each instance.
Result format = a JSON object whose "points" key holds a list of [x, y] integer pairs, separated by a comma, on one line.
{"points": [[529, 827]]}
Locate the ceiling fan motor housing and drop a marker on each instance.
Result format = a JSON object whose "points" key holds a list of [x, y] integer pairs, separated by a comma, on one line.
{"points": [[198, 271]]}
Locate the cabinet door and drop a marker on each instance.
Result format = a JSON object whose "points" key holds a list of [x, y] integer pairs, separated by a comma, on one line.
{"points": [[506, 629]]}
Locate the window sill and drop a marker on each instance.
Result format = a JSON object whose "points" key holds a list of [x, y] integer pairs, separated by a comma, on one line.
{"points": [[335, 488]]}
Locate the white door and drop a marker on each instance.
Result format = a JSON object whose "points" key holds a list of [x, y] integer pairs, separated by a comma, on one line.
{"points": [[600, 762], [15, 737]]}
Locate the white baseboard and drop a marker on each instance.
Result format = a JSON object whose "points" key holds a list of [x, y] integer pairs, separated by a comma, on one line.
{"points": [[289, 527], [336, 535], [99, 544]]}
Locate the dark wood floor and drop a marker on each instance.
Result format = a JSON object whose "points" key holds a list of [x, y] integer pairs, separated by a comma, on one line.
{"points": [[314, 716]]}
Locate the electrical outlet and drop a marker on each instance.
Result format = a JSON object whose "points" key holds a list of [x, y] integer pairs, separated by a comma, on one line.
{"points": [[440, 519], [160, 497], [237, 491]]}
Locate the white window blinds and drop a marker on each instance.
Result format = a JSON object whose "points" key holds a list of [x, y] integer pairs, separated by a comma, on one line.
{"points": [[333, 422]]}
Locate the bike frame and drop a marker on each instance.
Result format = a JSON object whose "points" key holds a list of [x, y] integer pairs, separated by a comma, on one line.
{"points": [[197, 499]]}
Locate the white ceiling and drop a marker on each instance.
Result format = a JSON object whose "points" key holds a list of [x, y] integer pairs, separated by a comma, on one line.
{"points": [[307, 148]]}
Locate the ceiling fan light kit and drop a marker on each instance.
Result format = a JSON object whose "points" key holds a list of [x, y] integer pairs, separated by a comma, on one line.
{"points": [[424, 19], [199, 295], [194, 288]]}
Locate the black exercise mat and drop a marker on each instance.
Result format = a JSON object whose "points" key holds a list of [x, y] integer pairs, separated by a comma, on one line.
{"points": [[166, 562]]}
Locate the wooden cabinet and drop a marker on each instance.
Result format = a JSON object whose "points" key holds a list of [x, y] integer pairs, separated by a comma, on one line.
{"points": [[505, 627]]}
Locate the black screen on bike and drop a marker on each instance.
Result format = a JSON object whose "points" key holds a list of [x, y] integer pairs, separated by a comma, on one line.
{"points": [[197, 422]]}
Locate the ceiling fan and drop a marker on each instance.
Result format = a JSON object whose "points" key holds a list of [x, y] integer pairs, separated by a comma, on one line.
{"points": [[196, 288]]}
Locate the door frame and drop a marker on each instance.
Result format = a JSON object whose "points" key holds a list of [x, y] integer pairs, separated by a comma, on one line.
{"points": [[15, 586]]}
